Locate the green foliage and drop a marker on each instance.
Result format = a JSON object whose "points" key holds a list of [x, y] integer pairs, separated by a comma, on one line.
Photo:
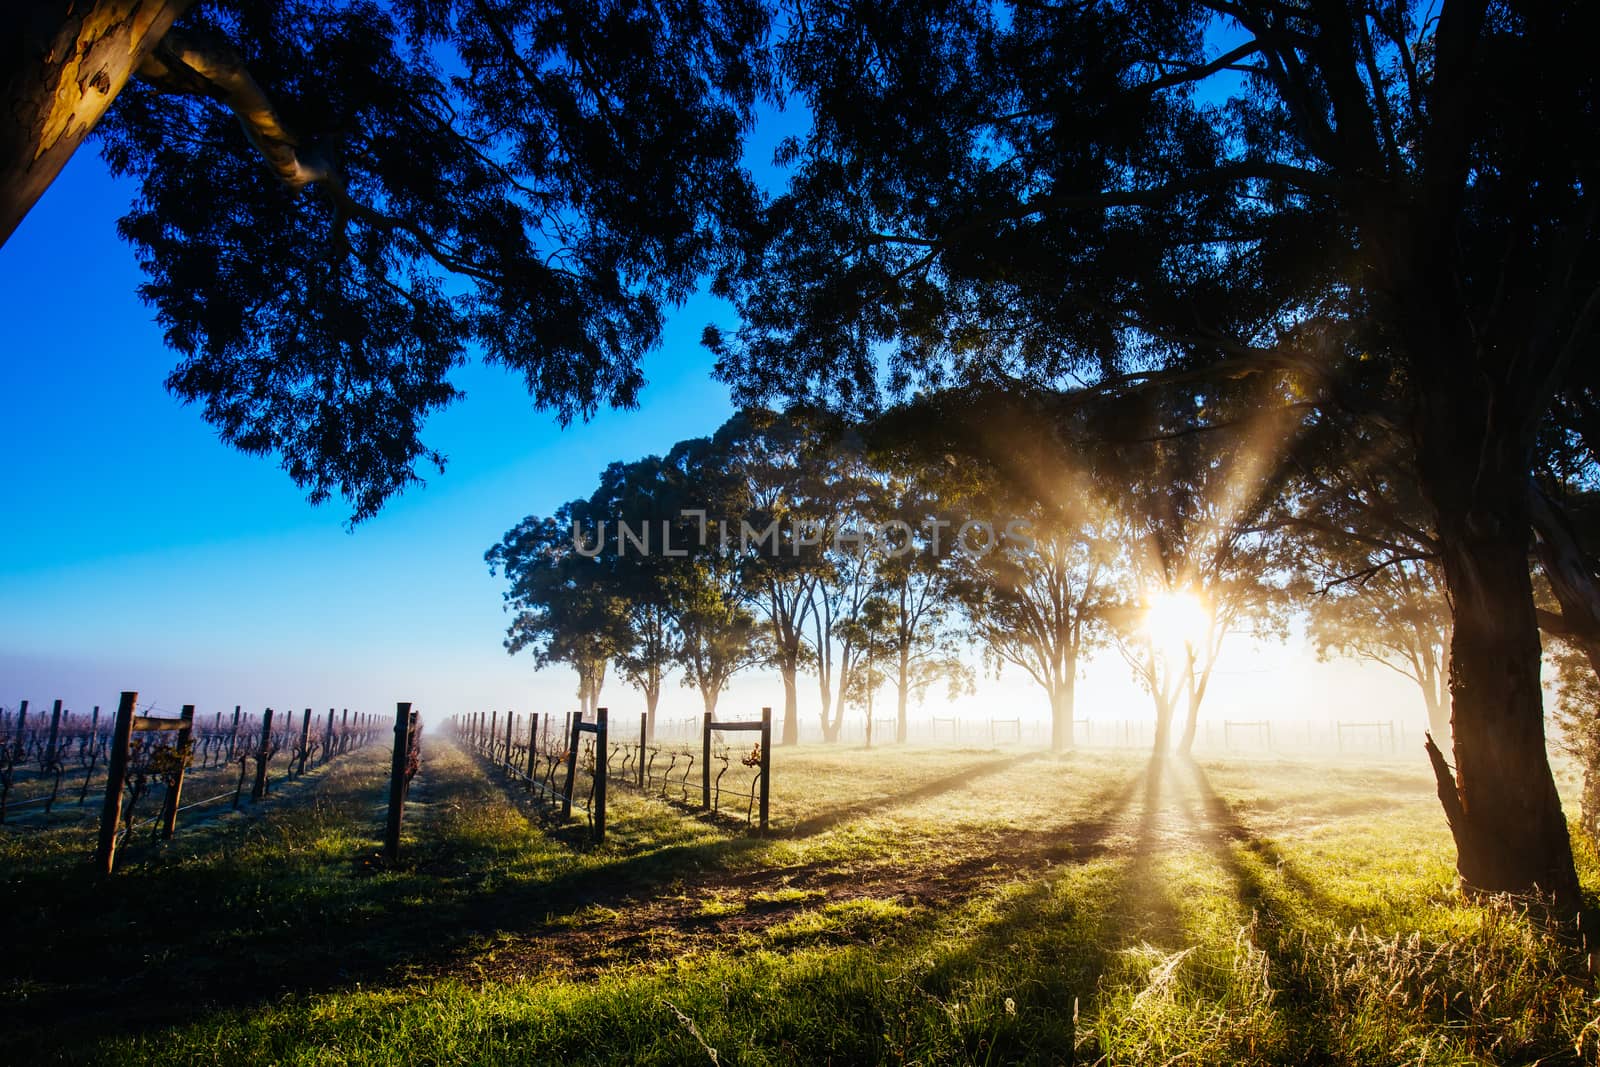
{"points": [[538, 182]]}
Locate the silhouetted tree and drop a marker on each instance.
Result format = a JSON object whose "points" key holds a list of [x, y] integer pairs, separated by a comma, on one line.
{"points": [[914, 613], [563, 608], [338, 202], [1036, 196], [1395, 616], [643, 498], [1190, 472], [708, 588]]}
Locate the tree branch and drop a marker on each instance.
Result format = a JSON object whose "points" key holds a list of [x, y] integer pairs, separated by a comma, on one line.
{"points": [[207, 66]]}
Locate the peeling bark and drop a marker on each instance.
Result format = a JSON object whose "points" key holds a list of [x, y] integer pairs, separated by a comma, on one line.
{"points": [[68, 61]]}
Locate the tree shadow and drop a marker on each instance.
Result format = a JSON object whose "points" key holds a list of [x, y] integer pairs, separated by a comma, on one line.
{"points": [[1147, 901], [208, 928], [937, 787], [1227, 829]]}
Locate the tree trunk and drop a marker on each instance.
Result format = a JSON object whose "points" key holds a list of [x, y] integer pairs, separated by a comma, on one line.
{"points": [[902, 695], [1500, 799], [1163, 738], [72, 59], [791, 707], [1510, 833], [1062, 701], [839, 705], [652, 696], [1190, 724]]}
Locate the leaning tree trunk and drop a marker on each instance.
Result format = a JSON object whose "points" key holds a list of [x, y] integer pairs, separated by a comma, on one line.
{"points": [[69, 61], [1190, 725], [1500, 798]]}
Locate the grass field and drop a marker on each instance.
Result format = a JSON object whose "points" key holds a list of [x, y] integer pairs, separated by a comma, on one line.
{"points": [[927, 906]]}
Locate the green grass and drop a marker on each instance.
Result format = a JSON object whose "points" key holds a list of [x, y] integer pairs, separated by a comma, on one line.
{"points": [[928, 906]]}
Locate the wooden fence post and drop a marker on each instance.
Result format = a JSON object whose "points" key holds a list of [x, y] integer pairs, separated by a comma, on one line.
{"points": [[327, 740], [55, 731], [233, 738], [574, 724], [397, 779], [766, 762], [643, 725], [510, 723], [105, 854], [533, 748], [305, 739], [705, 763], [262, 755], [169, 804], [599, 807]]}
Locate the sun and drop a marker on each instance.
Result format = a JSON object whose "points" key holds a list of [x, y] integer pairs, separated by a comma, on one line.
{"points": [[1175, 619]]}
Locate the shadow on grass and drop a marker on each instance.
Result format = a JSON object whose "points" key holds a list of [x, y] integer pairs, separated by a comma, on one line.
{"points": [[948, 783], [1226, 829], [231, 916]]}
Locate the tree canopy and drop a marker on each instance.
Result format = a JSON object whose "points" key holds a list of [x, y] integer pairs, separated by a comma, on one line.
{"points": [[341, 202], [1391, 204]]}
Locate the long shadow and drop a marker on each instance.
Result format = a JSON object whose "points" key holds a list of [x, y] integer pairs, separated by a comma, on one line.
{"points": [[1275, 929], [85, 970], [927, 791], [700, 867], [1141, 888], [1222, 819], [1081, 936]]}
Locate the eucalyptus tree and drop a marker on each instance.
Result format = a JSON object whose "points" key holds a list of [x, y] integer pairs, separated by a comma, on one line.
{"points": [[1396, 617], [1191, 473], [1035, 196], [781, 515], [915, 606], [642, 506], [1038, 602], [707, 586], [846, 574], [562, 604], [340, 202]]}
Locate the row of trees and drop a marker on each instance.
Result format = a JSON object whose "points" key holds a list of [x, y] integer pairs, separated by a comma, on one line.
{"points": [[804, 544]]}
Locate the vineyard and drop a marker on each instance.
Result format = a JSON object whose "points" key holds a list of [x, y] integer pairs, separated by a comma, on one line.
{"points": [[935, 902], [150, 771], [587, 758]]}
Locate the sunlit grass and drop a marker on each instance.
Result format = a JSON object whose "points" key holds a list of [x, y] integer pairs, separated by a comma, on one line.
{"points": [[937, 905]]}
